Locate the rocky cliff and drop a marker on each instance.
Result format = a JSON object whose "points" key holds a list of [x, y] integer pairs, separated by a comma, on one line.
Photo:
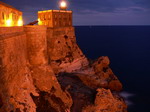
{"points": [[43, 70]]}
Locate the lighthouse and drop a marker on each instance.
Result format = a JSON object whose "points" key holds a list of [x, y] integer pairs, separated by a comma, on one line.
{"points": [[56, 18]]}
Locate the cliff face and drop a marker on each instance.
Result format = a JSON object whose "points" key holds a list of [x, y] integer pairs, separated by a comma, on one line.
{"points": [[63, 53], [44, 70], [81, 77]]}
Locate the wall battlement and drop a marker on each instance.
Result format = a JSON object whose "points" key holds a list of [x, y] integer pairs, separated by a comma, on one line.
{"points": [[9, 32]]}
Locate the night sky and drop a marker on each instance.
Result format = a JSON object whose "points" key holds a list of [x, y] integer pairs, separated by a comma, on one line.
{"points": [[91, 12]]}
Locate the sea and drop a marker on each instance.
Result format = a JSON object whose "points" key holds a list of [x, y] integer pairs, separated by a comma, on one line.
{"points": [[128, 48]]}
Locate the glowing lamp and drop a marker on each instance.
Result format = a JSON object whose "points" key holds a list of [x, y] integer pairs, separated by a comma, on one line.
{"points": [[39, 22], [8, 22], [20, 22], [63, 5]]}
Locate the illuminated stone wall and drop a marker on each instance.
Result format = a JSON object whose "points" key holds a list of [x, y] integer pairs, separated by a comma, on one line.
{"points": [[19, 48], [55, 18], [63, 51], [19, 45], [36, 44], [13, 61], [56, 42], [12, 48], [10, 16], [24, 69]]}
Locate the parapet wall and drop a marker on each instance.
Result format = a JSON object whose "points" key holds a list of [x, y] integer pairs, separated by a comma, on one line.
{"points": [[7, 32]]}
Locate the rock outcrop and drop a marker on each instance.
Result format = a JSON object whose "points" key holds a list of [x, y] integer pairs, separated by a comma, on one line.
{"points": [[43, 70], [51, 97], [100, 75], [106, 101]]}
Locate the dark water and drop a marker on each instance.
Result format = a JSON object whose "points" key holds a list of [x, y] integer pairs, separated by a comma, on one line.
{"points": [[128, 48]]}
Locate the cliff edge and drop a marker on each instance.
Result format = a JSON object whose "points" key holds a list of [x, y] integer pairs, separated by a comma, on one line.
{"points": [[42, 69]]}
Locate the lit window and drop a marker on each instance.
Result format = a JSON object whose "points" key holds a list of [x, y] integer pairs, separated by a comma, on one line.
{"points": [[49, 17]]}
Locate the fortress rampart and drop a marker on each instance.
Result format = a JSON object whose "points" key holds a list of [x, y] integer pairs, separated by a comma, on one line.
{"points": [[36, 44], [13, 60], [30, 43], [12, 46]]}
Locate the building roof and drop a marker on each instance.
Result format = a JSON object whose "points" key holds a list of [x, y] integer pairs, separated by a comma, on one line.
{"points": [[9, 6], [66, 11]]}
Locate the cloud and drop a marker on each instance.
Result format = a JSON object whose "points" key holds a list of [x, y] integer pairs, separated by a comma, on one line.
{"points": [[122, 16], [107, 5]]}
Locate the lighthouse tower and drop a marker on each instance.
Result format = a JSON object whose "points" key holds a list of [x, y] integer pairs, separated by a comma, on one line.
{"points": [[56, 18]]}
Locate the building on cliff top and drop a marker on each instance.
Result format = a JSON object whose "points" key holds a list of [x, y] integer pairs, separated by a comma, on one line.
{"points": [[9, 16], [56, 18]]}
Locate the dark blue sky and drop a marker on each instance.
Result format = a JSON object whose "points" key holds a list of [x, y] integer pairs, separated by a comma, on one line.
{"points": [[91, 12]]}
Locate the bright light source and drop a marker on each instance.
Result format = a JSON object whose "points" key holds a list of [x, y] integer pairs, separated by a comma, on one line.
{"points": [[20, 22], [39, 22], [8, 22], [63, 5]]}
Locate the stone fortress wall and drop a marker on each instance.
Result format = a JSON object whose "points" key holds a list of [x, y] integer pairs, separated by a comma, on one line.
{"points": [[13, 61], [20, 48], [29, 43], [13, 47], [36, 44]]}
